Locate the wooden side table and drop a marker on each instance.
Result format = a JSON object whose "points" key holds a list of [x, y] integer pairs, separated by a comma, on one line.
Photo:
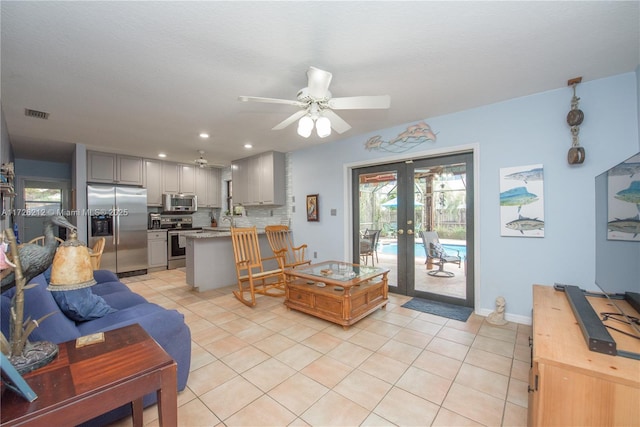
{"points": [[82, 383]]}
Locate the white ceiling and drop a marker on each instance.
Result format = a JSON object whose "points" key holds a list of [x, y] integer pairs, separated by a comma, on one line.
{"points": [[144, 77]]}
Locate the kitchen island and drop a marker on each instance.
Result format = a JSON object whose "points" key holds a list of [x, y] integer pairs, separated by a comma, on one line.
{"points": [[210, 261]]}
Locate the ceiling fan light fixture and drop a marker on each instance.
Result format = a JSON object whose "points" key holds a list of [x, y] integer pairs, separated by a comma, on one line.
{"points": [[323, 127], [305, 126], [201, 162], [315, 99]]}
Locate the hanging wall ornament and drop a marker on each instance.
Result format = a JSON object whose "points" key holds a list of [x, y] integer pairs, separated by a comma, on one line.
{"points": [[575, 117]]}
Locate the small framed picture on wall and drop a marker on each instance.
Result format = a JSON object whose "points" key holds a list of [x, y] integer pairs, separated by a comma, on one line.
{"points": [[312, 208]]}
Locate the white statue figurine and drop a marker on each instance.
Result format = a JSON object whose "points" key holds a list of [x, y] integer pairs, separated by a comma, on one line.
{"points": [[497, 317]]}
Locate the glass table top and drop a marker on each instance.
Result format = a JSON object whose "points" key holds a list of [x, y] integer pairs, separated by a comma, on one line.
{"points": [[340, 271]]}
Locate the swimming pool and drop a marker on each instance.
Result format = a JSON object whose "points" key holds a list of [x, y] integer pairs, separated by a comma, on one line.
{"points": [[392, 248]]}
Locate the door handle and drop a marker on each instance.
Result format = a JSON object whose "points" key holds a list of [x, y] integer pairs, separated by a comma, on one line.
{"points": [[409, 231], [401, 231], [114, 226], [117, 218]]}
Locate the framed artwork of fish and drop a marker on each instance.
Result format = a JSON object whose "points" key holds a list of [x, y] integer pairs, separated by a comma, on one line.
{"points": [[623, 200], [522, 201]]}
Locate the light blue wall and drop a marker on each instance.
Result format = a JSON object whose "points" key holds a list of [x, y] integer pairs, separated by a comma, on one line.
{"points": [[6, 156], [638, 91], [79, 183], [5, 146], [39, 168], [522, 131]]}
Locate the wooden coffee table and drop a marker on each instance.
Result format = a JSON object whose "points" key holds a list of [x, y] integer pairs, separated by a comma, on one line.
{"points": [[350, 291], [82, 383]]}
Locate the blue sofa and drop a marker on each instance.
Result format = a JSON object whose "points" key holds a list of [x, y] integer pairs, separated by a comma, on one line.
{"points": [[167, 327]]}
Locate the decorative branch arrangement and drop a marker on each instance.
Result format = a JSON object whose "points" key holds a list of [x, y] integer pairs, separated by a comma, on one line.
{"points": [[24, 355]]}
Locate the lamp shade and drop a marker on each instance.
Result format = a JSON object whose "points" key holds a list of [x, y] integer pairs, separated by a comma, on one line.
{"points": [[71, 268], [305, 126], [323, 127]]}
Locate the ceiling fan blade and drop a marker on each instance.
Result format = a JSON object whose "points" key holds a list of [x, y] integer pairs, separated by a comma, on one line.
{"points": [[337, 123], [271, 100], [318, 82], [292, 118], [360, 102]]}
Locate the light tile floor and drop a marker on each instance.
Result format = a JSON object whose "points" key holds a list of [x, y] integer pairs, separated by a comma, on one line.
{"points": [[271, 366]]}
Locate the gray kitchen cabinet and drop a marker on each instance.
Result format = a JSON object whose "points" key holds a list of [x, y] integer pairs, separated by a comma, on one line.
{"points": [[170, 178], [187, 179], [202, 190], [153, 181], [208, 187], [240, 180], [254, 186], [110, 168], [178, 178], [157, 249], [214, 183], [259, 180]]}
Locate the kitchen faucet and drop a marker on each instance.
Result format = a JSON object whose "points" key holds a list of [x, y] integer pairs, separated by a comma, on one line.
{"points": [[229, 219]]}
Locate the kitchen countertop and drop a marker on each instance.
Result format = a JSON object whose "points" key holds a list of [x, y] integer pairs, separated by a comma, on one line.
{"points": [[210, 261], [211, 232]]}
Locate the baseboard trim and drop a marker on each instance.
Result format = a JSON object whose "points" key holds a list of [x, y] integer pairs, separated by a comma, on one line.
{"points": [[516, 318]]}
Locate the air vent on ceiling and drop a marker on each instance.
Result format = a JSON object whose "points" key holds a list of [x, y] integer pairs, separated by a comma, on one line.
{"points": [[36, 114]]}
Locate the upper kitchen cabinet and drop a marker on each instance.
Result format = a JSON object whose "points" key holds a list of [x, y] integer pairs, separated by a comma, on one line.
{"points": [[179, 178], [208, 187], [112, 168], [259, 180], [240, 180], [153, 181]]}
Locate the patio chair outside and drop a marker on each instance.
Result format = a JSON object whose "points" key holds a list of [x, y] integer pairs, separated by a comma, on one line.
{"points": [[438, 255], [281, 243], [369, 246], [250, 269]]}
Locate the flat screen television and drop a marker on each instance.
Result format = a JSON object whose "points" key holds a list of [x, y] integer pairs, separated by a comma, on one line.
{"points": [[618, 227]]}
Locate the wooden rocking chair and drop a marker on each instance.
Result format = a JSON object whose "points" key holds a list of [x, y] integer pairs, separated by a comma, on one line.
{"points": [[96, 253], [40, 240], [250, 269], [282, 245]]}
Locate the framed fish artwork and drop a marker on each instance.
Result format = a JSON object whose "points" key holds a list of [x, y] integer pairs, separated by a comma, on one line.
{"points": [[522, 201], [623, 200]]}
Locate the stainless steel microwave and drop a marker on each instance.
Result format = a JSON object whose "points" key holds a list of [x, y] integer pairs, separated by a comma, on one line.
{"points": [[179, 203]]}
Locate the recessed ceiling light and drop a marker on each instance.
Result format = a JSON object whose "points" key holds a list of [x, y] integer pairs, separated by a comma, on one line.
{"points": [[204, 135], [162, 155], [248, 146]]}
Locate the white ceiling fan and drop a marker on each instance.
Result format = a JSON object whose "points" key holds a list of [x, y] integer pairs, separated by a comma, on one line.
{"points": [[317, 105], [201, 162]]}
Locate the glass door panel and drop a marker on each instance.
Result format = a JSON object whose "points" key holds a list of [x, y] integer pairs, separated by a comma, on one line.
{"points": [[376, 219], [440, 204]]}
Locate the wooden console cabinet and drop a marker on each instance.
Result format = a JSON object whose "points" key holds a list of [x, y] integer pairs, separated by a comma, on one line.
{"points": [[569, 385]]}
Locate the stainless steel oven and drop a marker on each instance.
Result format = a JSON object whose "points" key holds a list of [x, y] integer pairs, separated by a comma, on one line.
{"points": [[176, 247], [177, 228]]}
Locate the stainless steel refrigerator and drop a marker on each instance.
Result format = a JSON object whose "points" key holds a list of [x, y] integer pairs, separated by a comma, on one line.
{"points": [[119, 214]]}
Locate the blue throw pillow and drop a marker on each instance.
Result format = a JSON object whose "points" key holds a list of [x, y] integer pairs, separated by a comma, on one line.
{"points": [[82, 304]]}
